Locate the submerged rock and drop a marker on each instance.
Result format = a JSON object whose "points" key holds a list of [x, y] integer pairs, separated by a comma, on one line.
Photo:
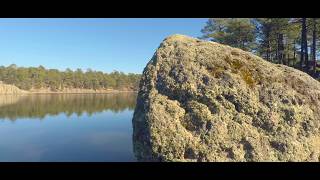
{"points": [[203, 101]]}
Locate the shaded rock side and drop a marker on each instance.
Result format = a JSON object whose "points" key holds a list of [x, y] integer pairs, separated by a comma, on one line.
{"points": [[203, 101]]}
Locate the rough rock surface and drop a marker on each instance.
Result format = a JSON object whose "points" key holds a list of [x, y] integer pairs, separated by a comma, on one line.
{"points": [[203, 101]]}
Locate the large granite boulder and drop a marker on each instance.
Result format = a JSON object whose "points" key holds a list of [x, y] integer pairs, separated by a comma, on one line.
{"points": [[203, 101]]}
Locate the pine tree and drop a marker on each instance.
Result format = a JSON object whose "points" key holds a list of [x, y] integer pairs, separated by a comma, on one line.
{"points": [[236, 32]]}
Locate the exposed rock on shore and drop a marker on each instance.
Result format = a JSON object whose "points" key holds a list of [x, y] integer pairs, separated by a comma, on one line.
{"points": [[10, 89], [203, 101]]}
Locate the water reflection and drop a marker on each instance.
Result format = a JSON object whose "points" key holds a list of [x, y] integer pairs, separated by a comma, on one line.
{"points": [[38, 106], [73, 127]]}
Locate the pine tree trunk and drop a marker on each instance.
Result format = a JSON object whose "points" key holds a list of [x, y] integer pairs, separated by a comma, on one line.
{"points": [[303, 29], [314, 37], [287, 56], [277, 54], [268, 46], [294, 52], [305, 44], [280, 48]]}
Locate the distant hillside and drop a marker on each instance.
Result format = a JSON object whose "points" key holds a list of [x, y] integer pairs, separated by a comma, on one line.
{"points": [[40, 78]]}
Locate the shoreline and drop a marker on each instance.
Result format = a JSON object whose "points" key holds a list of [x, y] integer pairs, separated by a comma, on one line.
{"points": [[69, 92], [62, 92], [7, 89]]}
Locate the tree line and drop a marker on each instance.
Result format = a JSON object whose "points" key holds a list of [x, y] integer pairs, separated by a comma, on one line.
{"points": [[40, 77], [288, 41]]}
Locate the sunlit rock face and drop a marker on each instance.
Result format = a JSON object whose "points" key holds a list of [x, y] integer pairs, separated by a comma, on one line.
{"points": [[6, 89], [203, 101]]}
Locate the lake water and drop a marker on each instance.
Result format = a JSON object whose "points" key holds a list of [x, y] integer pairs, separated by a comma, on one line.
{"points": [[67, 127]]}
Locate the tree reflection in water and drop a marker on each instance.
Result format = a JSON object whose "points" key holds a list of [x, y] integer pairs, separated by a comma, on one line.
{"points": [[38, 106]]}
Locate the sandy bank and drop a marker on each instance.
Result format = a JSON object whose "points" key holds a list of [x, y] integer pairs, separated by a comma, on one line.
{"points": [[6, 89]]}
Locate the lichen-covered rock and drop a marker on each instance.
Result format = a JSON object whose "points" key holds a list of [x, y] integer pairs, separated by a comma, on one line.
{"points": [[203, 101]]}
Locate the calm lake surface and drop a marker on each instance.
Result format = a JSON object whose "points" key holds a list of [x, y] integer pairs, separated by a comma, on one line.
{"points": [[67, 127]]}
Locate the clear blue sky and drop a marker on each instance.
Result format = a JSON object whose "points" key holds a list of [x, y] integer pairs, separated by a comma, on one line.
{"points": [[100, 44]]}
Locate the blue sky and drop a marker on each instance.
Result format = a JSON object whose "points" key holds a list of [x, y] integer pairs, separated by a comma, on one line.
{"points": [[100, 44]]}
